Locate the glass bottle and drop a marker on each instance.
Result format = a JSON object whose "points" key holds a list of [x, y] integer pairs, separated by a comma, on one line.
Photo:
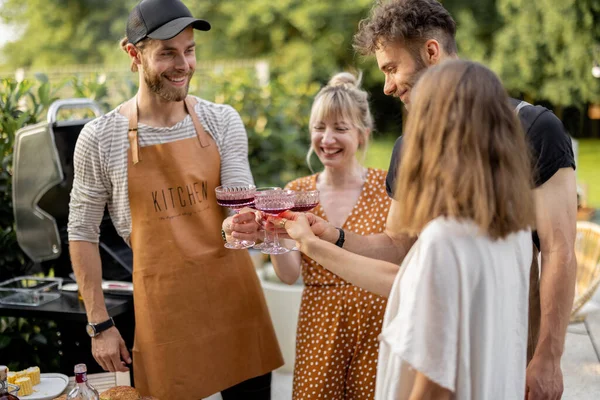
{"points": [[83, 390], [4, 395]]}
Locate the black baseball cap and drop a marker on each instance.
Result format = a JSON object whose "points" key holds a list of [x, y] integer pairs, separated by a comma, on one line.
{"points": [[160, 19]]}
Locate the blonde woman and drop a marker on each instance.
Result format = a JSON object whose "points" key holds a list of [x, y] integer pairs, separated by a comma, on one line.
{"points": [[336, 345], [456, 321]]}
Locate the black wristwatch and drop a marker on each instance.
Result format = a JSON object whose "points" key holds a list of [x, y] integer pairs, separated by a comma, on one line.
{"points": [[341, 239], [95, 329]]}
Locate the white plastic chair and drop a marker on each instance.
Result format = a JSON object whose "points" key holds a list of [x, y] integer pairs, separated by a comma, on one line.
{"points": [[587, 252], [283, 302]]}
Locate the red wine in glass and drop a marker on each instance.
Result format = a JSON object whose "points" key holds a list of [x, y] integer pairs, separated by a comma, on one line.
{"points": [[306, 200], [274, 211], [266, 240], [236, 197], [234, 203], [304, 207], [274, 202]]}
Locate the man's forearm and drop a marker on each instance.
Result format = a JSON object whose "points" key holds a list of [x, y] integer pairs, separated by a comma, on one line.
{"points": [[392, 245], [557, 285], [85, 258], [556, 210]]}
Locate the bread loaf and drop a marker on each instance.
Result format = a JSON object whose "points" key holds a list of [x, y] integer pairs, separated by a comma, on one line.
{"points": [[120, 393]]}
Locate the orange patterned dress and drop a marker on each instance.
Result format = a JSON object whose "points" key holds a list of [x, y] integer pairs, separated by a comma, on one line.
{"points": [[338, 325]]}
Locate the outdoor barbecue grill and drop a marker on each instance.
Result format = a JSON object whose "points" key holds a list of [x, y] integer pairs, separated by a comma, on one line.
{"points": [[42, 182]]}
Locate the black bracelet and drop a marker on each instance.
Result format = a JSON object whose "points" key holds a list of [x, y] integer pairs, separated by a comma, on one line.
{"points": [[341, 239], [223, 235]]}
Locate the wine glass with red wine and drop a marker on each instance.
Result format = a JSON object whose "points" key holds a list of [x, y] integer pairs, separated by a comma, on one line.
{"points": [[236, 196], [274, 202], [266, 240], [306, 200]]}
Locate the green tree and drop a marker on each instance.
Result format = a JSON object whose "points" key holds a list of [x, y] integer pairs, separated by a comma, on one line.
{"points": [[545, 49], [303, 39], [63, 32], [477, 23], [542, 50]]}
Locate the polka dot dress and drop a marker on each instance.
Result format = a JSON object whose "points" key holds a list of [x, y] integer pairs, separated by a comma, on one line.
{"points": [[338, 325]]}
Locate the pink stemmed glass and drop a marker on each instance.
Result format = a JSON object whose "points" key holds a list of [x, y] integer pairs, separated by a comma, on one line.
{"points": [[306, 201], [266, 243], [236, 197], [274, 202]]}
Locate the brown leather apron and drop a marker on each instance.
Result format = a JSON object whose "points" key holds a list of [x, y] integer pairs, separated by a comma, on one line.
{"points": [[202, 324]]}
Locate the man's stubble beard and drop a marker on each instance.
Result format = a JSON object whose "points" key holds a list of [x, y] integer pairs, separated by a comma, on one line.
{"points": [[420, 68], [157, 86]]}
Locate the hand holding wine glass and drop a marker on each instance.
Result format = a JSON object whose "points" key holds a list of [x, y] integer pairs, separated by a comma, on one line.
{"points": [[274, 202], [266, 240], [318, 226], [245, 225], [297, 228], [304, 201], [236, 196]]}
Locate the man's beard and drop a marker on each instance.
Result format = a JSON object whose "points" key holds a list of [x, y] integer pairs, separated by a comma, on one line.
{"points": [[420, 69], [156, 85]]}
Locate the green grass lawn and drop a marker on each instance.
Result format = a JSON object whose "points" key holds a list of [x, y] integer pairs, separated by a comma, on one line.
{"points": [[380, 152], [588, 169], [588, 164]]}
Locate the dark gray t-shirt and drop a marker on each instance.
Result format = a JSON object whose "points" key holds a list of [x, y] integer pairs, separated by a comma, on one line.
{"points": [[550, 146]]}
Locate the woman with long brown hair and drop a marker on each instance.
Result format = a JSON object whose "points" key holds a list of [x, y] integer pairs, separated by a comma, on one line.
{"points": [[456, 321]]}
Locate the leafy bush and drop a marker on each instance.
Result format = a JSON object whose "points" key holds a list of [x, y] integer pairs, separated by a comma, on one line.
{"points": [[22, 342], [276, 118], [21, 104], [29, 342]]}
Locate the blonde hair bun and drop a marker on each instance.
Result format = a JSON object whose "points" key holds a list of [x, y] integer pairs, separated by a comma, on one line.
{"points": [[345, 78]]}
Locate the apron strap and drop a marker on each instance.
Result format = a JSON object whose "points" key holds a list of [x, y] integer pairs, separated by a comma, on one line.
{"points": [[129, 110], [190, 102]]}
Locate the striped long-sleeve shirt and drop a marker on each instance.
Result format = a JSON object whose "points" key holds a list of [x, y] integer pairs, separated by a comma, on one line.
{"points": [[100, 163]]}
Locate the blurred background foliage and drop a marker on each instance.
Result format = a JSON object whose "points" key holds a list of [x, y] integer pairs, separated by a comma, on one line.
{"points": [[542, 50]]}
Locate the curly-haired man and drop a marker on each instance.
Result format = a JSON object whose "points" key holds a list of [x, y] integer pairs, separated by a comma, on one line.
{"points": [[406, 37]]}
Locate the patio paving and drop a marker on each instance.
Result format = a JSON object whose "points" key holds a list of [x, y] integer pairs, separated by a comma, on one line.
{"points": [[581, 362]]}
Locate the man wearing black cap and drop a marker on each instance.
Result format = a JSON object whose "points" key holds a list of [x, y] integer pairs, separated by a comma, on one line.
{"points": [[202, 325]]}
